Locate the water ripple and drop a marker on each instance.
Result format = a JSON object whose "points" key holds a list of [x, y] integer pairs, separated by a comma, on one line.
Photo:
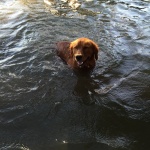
{"points": [[41, 97]]}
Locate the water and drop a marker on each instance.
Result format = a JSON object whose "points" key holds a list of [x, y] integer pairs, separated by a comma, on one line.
{"points": [[44, 105]]}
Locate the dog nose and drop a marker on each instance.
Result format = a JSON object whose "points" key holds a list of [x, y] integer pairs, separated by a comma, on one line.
{"points": [[79, 57]]}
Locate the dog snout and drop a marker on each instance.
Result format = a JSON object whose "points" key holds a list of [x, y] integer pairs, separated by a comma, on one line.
{"points": [[79, 57]]}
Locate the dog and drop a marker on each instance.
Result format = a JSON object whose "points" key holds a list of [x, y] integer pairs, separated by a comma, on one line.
{"points": [[80, 54]]}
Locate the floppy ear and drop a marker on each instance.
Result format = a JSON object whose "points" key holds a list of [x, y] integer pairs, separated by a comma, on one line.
{"points": [[71, 49], [96, 49]]}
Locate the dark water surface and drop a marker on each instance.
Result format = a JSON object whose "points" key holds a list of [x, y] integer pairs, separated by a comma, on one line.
{"points": [[45, 106]]}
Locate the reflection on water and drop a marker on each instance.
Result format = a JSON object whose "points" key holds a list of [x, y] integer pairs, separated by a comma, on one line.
{"points": [[45, 105]]}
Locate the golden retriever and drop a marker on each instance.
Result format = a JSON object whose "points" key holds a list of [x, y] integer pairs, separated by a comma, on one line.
{"points": [[80, 54]]}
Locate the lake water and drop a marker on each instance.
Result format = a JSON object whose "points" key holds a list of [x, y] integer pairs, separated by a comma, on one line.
{"points": [[44, 105]]}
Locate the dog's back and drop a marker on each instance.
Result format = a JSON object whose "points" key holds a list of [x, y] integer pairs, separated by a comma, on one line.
{"points": [[63, 50]]}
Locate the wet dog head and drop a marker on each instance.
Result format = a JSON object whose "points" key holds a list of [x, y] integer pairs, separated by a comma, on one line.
{"points": [[84, 51]]}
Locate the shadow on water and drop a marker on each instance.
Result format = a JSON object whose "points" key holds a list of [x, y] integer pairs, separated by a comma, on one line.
{"points": [[84, 89], [45, 105]]}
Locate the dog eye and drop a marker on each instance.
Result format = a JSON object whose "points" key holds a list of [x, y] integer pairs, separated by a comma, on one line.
{"points": [[76, 47], [85, 47]]}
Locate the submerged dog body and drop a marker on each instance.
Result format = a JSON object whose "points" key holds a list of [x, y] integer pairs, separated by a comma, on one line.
{"points": [[80, 54]]}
